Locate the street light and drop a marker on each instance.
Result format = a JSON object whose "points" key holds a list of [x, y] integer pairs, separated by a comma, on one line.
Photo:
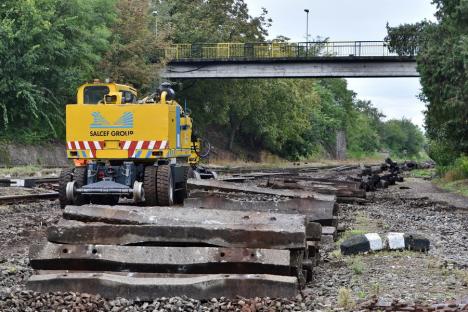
{"points": [[307, 32], [155, 14]]}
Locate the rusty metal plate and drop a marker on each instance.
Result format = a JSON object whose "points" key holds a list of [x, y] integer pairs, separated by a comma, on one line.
{"points": [[191, 260], [146, 289]]}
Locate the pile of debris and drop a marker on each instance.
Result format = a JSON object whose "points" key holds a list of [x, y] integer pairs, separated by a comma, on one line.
{"points": [[149, 252], [388, 173], [230, 239]]}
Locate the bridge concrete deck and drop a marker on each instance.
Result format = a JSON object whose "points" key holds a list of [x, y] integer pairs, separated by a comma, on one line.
{"points": [[309, 67]]}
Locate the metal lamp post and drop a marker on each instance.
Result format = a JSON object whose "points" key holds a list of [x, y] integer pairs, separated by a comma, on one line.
{"points": [[155, 14], [307, 32]]}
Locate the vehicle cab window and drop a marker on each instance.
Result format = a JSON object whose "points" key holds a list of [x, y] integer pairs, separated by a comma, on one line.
{"points": [[128, 97], [95, 94]]}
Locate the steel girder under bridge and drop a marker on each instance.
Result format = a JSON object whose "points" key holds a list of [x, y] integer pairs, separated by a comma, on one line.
{"points": [[286, 60]]}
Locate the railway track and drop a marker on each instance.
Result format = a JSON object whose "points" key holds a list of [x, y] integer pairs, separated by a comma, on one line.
{"points": [[11, 199], [259, 171], [27, 182], [257, 238]]}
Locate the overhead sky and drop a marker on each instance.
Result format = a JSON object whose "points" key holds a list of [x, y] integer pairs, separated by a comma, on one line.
{"points": [[354, 20]]}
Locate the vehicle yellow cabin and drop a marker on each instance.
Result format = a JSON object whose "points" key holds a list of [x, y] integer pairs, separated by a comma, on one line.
{"points": [[108, 122]]}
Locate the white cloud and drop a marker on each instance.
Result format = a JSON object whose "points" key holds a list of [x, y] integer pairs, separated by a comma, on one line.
{"points": [[395, 97], [354, 20]]}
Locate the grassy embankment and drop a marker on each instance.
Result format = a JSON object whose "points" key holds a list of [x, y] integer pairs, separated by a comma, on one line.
{"points": [[27, 171]]}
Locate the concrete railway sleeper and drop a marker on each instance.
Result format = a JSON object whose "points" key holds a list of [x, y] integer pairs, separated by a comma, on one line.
{"points": [[228, 239], [229, 244], [214, 241], [229, 248], [146, 252]]}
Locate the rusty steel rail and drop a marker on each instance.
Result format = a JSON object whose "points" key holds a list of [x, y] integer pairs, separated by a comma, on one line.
{"points": [[12, 199], [27, 182]]}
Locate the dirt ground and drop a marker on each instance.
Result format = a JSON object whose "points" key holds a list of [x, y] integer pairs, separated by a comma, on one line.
{"points": [[340, 282]]}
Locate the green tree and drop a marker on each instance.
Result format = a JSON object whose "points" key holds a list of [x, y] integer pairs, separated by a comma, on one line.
{"points": [[442, 63], [47, 48], [402, 137], [226, 103], [196, 21], [366, 108], [363, 136], [130, 57]]}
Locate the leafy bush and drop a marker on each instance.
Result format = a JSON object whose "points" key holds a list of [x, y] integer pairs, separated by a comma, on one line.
{"points": [[345, 299], [441, 152], [457, 171]]}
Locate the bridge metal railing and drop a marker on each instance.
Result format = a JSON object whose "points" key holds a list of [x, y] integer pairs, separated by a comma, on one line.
{"points": [[267, 50]]}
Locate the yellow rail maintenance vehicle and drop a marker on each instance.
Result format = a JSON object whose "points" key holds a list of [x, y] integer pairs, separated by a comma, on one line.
{"points": [[123, 147]]}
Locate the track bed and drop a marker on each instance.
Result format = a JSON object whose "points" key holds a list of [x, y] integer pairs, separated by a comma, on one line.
{"points": [[401, 209], [218, 245]]}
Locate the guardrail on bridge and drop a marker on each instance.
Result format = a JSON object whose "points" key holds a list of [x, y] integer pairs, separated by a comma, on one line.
{"points": [[267, 50]]}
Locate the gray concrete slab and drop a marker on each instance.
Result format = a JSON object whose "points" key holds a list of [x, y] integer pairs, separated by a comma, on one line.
{"points": [[147, 288], [189, 260], [315, 211], [345, 67], [124, 225]]}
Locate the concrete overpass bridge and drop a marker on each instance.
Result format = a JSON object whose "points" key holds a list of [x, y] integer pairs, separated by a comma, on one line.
{"points": [[344, 59]]}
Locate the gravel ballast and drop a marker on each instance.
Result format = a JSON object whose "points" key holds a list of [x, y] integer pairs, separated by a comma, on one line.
{"points": [[411, 277]]}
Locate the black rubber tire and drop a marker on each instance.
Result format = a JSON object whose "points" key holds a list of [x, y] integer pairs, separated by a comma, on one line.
{"points": [[181, 195], [149, 185], [165, 185], [79, 175], [66, 175]]}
